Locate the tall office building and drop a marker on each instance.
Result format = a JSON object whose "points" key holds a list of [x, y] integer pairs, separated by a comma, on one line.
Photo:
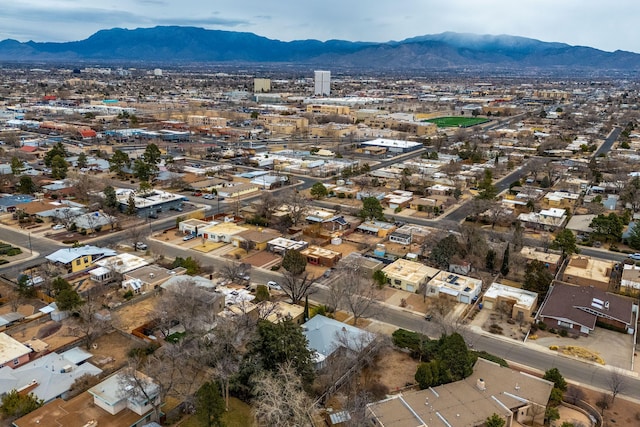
{"points": [[323, 83]]}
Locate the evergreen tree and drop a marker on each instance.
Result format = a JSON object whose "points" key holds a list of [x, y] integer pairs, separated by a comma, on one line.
{"points": [[537, 277], [82, 161], [118, 161], [504, 270], [318, 190], [490, 261], [494, 420], [131, 204], [444, 250], [26, 185], [110, 197], [566, 241], [16, 405], [371, 209], [59, 167], [294, 262], [306, 308], [210, 405], [56, 150], [17, 166]]}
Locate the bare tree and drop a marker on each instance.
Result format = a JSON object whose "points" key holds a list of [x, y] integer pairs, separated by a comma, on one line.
{"points": [[574, 394], [297, 286], [268, 204], [359, 295], [281, 400], [233, 271], [336, 293], [137, 234], [91, 323], [297, 205], [617, 383], [187, 305]]}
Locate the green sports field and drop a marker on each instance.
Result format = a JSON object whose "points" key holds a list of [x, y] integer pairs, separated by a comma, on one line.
{"points": [[454, 122]]}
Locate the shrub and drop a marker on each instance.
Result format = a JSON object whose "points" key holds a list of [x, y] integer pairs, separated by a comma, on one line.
{"points": [[553, 347], [563, 332], [128, 295], [542, 326], [553, 331], [143, 351], [14, 251], [275, 267], [3, 261], [488, 356]]}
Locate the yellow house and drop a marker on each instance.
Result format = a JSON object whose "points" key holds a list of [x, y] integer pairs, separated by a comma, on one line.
{"points": [[408, 275], [80, 258]]}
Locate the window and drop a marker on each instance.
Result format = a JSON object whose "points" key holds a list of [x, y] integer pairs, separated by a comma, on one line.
{"points": [[86, 260], [15, 362], [78, 262], [397, 281]]}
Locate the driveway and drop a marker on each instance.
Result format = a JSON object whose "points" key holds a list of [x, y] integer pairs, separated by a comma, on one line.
{"points": [[615, 348]]}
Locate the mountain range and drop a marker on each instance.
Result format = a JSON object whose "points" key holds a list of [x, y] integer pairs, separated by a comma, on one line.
{"points": [[174, 44]]}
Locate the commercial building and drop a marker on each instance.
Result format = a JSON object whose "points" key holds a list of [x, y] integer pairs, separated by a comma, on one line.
{"points": [[261, 85], [322, 80], [393, 145], [145, 204]]}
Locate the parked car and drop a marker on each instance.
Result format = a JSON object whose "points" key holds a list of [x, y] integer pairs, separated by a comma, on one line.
{"points": [[189, 237], [153, 215], [209, 196], [428, 317], [635, 257], [274, 285], [58, 227], [141, 246], [196, 193]]}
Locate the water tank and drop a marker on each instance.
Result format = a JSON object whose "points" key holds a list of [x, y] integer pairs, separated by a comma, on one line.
{"points": [[336, 241]]}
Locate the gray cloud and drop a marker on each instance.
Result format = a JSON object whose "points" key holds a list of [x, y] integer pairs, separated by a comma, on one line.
{"points": [[606, 25]]}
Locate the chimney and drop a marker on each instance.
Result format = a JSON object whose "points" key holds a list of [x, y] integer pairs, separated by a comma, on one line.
{"points": [[480, 385]]}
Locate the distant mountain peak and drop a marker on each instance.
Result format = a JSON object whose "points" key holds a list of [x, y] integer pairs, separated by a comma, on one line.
{"points": [[447, 50]]}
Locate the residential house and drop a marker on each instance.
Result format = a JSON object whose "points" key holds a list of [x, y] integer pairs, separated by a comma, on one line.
{"points": [[214, 304], [112, 396], [398, 199], [561, 199], [517, 397], [520, 304], [326, 336], [546, 219], [430, 203], [281, 245], [10, 203], [328, 220], [254, 239], [408, 275], [551, 260], [316, 255], [147, 278], [579, 308], [630, 281], [463, 288], [194, 226], [12, 352], [280, 311], [79, 258], [50, 376], [586, 271], [416, 233], [93, 222], [581, 225], [238, 190], [378, 228], [367, 265], [221, 232]]}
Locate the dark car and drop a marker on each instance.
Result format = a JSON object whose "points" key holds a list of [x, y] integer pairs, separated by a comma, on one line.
{"points": [[153, 215], [428, 317]]}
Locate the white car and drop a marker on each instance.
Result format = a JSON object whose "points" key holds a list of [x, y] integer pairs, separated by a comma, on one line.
{"points": [[189, 237], [141, 246], [274, 285], [635, 257], [58, 227]]}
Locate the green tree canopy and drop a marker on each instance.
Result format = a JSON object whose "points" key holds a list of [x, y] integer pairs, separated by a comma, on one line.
{"points": [[82, 161], [191, 265], [66, 297], [152, 154], [59, 167], [537, 277], [142, 170], [607, 227], [634, 236], [371, 209], [56, 150], [281, 342], [26, 185], [444, 250], [504, 268], [294, 262], [131, 204], [494, 420], [318, 190], [488, 191], [16, 405], [17, 166], [210, 405], [110, 198], [556, 378], [455, 357], [566, 241], [118, 161]]}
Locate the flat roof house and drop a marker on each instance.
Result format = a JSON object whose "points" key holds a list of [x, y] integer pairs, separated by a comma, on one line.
{"points": [[462, 288], [12, 352], [316, 255], [518, 302], [408, 275], [586, 271]]}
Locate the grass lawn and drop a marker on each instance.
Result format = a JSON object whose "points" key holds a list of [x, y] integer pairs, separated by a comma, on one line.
{"points": [[239, 415], [450, 122]]}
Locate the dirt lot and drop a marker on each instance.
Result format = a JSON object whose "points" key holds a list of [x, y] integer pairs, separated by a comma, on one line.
{"points": [[398, 369], [134, 315], [54, 334], [110, 351]]}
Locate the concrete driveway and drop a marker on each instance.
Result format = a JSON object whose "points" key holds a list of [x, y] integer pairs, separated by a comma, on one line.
{"points": [[614, 347]]}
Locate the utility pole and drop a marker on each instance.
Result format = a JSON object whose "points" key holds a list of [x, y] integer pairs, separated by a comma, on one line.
{"points": [[30, 249]]}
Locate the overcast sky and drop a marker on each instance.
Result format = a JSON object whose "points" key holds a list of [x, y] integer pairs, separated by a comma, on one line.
{"points": [[608, 25]]}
